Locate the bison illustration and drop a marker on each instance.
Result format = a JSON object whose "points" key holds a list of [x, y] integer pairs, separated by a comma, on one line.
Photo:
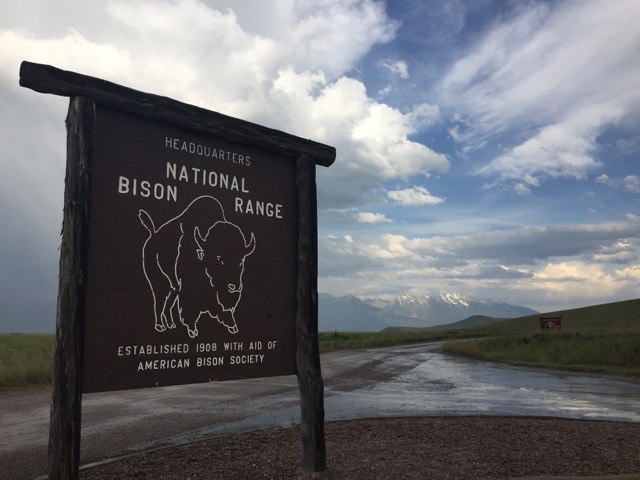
{"points": [[194, 264]]}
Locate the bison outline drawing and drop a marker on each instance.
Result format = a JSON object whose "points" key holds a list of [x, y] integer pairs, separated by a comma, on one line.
{"points": [[194, 264]]}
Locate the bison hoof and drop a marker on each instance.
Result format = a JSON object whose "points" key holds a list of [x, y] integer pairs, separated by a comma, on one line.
{"points": [[233, 329], [172, 325], [160, 328], [192, 333]]}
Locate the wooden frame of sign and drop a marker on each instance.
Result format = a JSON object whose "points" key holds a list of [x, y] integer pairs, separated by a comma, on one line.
{"points": [[92, 215]]}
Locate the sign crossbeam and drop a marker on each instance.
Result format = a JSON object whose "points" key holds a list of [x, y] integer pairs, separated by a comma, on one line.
{"points": [[47, 79]]}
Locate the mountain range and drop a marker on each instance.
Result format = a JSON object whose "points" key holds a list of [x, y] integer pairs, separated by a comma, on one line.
{"points": [[418, 311]]}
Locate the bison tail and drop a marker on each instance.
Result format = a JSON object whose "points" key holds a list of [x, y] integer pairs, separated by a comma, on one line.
{"points": [[147, 221]]}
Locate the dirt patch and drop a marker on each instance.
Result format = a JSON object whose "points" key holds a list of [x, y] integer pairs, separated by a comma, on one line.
{"points": [[408, 448]]}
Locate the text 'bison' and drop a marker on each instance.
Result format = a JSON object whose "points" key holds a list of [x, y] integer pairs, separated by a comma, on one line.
{"points": [[194, 264]]}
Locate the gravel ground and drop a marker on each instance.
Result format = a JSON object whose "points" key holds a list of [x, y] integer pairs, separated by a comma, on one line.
{"points": [[402, 448]]}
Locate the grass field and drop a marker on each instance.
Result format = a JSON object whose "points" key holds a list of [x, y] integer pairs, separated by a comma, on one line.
{"points": [[332, 341], [25, 360], [607, 352], [601, 338]]}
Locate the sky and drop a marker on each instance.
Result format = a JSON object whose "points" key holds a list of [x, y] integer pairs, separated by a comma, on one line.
{"points": [[484, 147]]}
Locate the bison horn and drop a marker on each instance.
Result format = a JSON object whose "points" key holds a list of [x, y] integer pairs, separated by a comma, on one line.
{"points": [[251, 246], [198, 238]]}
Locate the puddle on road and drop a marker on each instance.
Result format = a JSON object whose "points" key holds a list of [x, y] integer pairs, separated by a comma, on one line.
{"points": [[444, 385]]}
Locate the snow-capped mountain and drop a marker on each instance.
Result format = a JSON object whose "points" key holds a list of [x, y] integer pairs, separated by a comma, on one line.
{"points": [[353, 314], [440, 309], [350, 314]]}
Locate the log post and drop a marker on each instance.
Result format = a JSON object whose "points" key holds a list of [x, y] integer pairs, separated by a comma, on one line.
{"points": [[66, 406], [308, 370]]}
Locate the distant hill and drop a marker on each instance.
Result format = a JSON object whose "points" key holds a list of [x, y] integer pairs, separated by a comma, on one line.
{"points": [[615, 315], [471, 322], [607, 316], [408, 311]]}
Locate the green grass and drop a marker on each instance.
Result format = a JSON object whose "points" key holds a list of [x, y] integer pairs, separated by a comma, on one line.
{"points": [[25, 360], [332, 341], [607, 316], [615, 352], [601, 338]]}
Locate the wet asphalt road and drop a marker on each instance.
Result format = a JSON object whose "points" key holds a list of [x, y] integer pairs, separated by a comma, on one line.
{"points": [[397, 381]]}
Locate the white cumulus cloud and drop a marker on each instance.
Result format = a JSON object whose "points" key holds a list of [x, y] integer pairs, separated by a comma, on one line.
{"points": [[414, 196], [371, 217]]}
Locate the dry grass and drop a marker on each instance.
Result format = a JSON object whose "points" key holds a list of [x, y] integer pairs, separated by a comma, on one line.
{"points": [[25, 360]]}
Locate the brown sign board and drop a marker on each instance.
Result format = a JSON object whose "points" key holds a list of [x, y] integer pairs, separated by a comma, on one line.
{"points": [[550, 323], [192, 258], [188, 254]]}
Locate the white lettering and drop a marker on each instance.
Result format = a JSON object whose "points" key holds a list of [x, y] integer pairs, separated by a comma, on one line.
{"points": [[228, 346], [163, 364], [257, 207], [209, 361], [246, 359], [171, 170], [173, 348], [144, 189], [207, 151], [123, 185], [200, 176]]}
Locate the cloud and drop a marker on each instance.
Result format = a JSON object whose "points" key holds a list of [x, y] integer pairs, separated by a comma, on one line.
{"points": [[292, 80], [628, 146], [556, 265], [550, 79], [332, 35], [622, 252], [531, 245], [414, 196], [631, 273], [424, 115], [530, 96], [580, 280], [522, 189], [370, 217], [632, 183], [560, 150], [372, 140], [480, 271], [351, 216], [288, 69], [398, 67], [506, 248]]}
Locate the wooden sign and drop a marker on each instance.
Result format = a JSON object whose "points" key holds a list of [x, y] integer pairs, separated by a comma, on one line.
{"points": [[188, 254], [192, 258], [550, 323]]}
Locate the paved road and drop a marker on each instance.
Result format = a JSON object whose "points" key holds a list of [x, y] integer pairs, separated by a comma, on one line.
{"points": [[406, 380]]}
